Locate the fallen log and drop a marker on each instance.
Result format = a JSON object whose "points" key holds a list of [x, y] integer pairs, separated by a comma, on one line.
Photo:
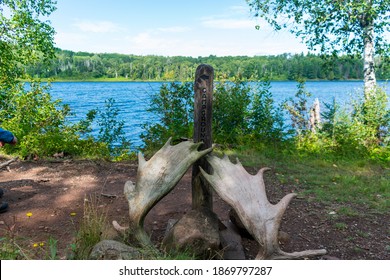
{"points": [[8, 162]]}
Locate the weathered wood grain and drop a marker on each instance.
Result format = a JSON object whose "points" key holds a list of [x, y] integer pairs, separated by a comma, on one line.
{"points": [[203, 88]]}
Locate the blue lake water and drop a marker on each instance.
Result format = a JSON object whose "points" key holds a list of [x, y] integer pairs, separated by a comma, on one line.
{"points": [[132, 98]]}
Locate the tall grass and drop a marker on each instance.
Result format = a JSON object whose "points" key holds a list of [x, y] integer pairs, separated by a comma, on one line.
{"points": [[92, 229], [328, 179]]}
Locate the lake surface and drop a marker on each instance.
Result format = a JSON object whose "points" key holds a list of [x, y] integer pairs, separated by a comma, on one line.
{"points": [[132, 98]]}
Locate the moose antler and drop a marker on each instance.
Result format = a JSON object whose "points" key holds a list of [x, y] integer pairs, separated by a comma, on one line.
{"points": [[155, 179], [246, 194]]}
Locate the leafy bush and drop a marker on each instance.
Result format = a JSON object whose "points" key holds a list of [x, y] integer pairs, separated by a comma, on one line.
{"points": [[111, 130], [299, 111], [265, 120], [362, 129], [247, 117], [240, 114], [374, 115], [230, 112], [40, 125], [331, 116], [173, 106]]}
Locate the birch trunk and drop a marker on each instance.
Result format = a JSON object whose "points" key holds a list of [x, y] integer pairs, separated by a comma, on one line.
{"points": [[369, 64]]}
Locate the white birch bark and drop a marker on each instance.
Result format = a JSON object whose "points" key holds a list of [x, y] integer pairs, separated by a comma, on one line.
{"points": [[369, 63]]}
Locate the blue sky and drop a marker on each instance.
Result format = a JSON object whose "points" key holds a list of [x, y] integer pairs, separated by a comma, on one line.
{"points": [[170, 28]]}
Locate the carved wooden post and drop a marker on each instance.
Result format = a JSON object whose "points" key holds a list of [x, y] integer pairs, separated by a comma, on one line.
{"points": [[203, 88]]}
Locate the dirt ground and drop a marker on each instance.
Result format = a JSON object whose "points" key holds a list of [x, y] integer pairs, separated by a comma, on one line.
{"points": [[53, 192]]}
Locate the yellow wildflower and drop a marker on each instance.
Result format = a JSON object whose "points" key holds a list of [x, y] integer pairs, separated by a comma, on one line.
{"points": [[73, 214], [35, 245], [29, 214]]}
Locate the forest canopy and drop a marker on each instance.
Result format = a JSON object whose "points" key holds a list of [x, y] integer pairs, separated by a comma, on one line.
{"points": [[69, 65]]}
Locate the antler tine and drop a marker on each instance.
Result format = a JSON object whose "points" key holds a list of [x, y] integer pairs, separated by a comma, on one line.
{"points": [[262, 170], [141, 160]]}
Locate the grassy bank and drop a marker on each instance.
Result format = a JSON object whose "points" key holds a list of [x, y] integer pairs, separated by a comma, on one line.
{"points": [[330, 180]]}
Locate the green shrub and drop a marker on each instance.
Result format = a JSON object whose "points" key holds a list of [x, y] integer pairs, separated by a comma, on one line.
{"points": [[298, 110], [247, 118], [173, 107], [40, 125], [111, 130], [265, 121], [230, 112], [362, 129], [240, 115]]}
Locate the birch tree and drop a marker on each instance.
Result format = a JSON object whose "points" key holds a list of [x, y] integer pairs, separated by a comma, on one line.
{"points": [[333, 27]]}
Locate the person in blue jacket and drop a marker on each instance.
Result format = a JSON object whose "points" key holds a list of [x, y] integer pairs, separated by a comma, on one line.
{"points": [[6, 137]]}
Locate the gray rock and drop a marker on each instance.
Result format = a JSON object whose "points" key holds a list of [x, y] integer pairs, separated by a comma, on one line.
{"points": [[196, 233], [113, 250]]}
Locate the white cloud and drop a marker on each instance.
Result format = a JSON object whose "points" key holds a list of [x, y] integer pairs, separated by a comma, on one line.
{"points": [[98, 26], [144, 39], [148, 43], [68, 40], [152, 42], [241, 10]]}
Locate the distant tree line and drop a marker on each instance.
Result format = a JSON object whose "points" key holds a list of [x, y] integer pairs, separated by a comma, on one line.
{"points": [[83, 65]]}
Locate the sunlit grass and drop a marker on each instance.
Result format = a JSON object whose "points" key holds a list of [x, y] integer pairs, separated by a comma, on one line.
{"points": [[328, 179]]}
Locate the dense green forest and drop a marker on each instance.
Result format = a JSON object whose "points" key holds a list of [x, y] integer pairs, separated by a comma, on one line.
{"points": [[71, 65]]}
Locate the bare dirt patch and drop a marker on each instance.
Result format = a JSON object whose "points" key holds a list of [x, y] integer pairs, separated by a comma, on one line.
{"points": [[54, 192]]}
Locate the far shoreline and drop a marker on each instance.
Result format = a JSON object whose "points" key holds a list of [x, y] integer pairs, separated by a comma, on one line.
{"points": [[124, 80]]}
